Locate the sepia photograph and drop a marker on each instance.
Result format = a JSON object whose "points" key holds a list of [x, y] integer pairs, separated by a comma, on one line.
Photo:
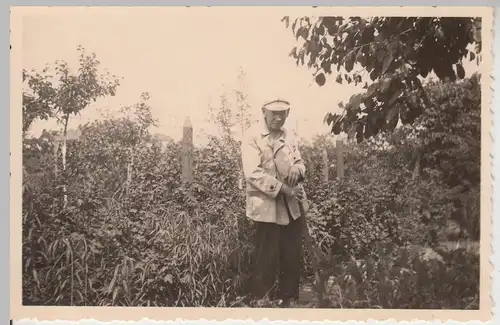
{"points": [[298, 158]]}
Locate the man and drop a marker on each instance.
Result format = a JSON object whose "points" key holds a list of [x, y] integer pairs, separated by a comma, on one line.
{"points": [[273, 169]]}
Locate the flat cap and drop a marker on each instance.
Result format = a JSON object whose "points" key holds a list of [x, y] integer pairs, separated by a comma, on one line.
{"points": [[277, 105]]}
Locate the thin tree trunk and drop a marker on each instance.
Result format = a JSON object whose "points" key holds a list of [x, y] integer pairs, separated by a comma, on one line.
{"points": [[64, 149]]}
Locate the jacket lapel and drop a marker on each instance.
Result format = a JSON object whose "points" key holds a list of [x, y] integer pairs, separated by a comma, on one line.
{"points": [[278, 144]]}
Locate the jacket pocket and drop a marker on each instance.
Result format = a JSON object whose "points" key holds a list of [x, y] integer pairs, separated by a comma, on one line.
{"points": [[262, 207], [254, 203]]}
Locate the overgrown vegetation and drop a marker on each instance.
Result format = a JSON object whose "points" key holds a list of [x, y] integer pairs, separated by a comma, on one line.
{"points": [[130, 234]]}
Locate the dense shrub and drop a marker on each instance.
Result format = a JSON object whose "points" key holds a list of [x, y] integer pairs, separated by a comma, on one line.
{"points": [[407, 277], [378, 201], [131, 233]]}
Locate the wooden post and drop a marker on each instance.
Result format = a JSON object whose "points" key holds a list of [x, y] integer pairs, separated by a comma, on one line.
{"points": [[340, 158], [187, 153], [326, 166]]}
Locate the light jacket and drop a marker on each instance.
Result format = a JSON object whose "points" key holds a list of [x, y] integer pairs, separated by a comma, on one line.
{"points": [[265, 166]]}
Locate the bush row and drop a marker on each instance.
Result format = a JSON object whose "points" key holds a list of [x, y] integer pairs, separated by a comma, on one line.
{"points": [[152, 242]]}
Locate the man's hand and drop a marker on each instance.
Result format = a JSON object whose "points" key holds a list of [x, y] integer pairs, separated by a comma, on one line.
{"points": [[296, 192], [293, 176]]}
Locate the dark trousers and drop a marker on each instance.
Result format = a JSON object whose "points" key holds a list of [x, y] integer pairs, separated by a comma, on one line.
{"points": [[277, 256]]}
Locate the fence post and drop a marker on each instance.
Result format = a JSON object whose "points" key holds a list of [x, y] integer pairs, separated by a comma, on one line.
{"points": [[340, 158], [326, 166], [187, 153]]}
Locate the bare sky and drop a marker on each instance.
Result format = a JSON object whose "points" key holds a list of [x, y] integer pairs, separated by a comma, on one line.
{"points": [[184, 59]]}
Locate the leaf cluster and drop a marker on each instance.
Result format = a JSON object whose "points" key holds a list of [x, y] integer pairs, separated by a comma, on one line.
{"points": [[59, 92], [390, 56]]}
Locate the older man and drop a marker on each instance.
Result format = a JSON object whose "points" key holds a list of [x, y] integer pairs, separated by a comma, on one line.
{"points": [[273, 169]]}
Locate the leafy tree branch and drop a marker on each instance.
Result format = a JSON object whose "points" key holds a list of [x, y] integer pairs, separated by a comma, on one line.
{"points": [[58, 92], [396, 63]]}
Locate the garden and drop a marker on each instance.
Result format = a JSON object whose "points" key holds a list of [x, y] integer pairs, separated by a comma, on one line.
{"points": [[113, 224]]}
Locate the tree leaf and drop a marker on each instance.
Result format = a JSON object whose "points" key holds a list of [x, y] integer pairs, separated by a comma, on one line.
{"points": [[328, 118], [460, 71], [326, 66], [369, 103], [302, 32], [359, 133], [352, 130], [320, 30], [385, 85], [336, 128], [294, 24], [393, 111], [286, 19], [404, 113], [387, 62], [355, 101], [393, 118], [302, 54], [476, 30], [394, 97], [320, 79], [349, 62]]}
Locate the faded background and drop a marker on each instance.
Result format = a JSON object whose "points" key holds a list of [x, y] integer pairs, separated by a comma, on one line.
{"points": [[185, 62]]}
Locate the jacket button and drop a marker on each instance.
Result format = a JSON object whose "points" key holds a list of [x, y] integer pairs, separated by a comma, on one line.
{"points": [[272, 187]]}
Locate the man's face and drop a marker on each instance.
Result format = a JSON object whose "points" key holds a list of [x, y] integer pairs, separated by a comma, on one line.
{"points": [[275, 119]]}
